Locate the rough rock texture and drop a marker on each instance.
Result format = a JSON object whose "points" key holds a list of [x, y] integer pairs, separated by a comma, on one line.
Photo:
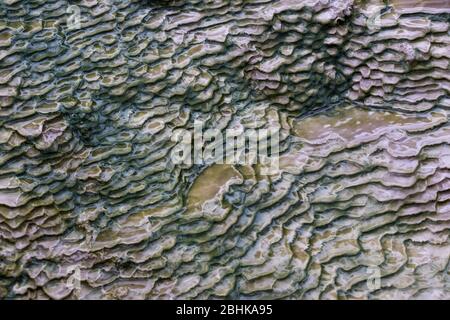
{"points": [[91, 205]]}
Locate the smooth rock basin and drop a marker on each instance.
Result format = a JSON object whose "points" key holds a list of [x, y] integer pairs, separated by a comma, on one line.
{"points": [[93, 205]]}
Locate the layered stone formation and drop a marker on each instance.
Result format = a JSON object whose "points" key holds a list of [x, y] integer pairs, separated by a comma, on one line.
{"points": [[92, 206]]}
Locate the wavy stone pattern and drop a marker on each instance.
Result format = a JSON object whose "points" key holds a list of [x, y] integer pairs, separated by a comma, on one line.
{"points": [[92, 207]]}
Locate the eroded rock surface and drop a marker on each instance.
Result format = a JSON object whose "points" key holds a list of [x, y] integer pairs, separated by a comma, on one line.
{"points": [[91, 205]]}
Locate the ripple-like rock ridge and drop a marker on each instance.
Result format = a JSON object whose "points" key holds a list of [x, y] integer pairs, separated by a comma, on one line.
{"points": [[92, 205]]}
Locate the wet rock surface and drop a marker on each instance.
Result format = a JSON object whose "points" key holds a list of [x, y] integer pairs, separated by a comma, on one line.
{"points": [[93, 207]]}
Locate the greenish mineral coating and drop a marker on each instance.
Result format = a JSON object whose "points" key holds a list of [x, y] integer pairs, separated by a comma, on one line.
{"points": [[92, 207]]}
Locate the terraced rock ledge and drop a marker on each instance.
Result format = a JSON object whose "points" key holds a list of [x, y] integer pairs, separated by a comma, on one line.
{"points": [[93, 207]]}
